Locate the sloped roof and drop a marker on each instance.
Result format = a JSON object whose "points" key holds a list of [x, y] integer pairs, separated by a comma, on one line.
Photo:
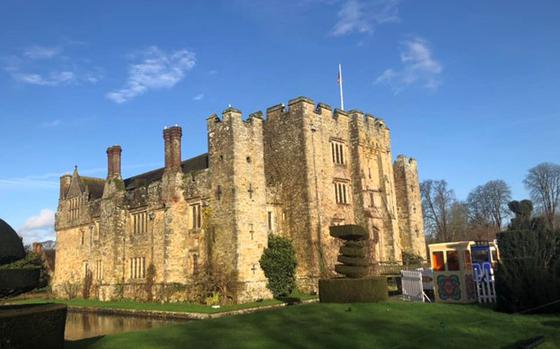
{"points": [[193, 164], [11, 246], [94, 186]]}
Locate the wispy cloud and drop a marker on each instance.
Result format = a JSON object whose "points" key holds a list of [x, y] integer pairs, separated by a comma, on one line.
{"points": [[156, 70], [418, 67], [356, 16], [46, 66], [50, 180], [198, 97], [41, 52], [51, 79], [51, 123], [39, 227]]}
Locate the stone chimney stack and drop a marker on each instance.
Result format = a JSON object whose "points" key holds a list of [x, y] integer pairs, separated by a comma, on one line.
{"points": [[172, 138], [114, 162], [65, 182]]}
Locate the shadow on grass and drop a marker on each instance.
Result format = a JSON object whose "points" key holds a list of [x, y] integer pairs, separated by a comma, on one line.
{"points": [[551, 323], [81, 343], [290, 300], [532, 342]]}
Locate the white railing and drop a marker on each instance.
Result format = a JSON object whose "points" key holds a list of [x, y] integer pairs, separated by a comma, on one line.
{"points": [[412, 288], [485, 285]]}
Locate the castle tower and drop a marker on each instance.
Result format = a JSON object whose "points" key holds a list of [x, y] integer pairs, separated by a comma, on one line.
{"points": [[238, 201], [409, 203], [375, 204]]}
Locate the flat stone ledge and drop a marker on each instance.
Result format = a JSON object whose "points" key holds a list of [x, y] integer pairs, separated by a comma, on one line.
{"points": [[161, 314]]}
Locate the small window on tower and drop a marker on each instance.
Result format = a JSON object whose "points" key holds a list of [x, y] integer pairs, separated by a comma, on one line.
{"points": [[341, 193], [140, 222], [269, 220], [196, 216], [337, 150]]}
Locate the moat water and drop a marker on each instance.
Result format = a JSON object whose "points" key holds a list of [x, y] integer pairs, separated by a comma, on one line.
{"points": [[87, 325]]}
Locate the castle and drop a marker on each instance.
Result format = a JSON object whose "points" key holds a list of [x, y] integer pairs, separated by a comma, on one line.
{"points": [[302, 169]]}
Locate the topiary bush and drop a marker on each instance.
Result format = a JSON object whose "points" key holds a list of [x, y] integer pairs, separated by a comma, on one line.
{"points": [[278, 262], [528, 275]]}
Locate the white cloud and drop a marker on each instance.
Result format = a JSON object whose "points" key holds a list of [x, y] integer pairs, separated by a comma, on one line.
{"points": [[54, 78], [52, 123], [418, 67], [356, 16], [156, 70], [39, 227], [45, 66], [41, 52], [198, 97]]}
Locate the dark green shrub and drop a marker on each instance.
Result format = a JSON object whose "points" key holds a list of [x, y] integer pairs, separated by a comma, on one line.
{"points": [[410, 258], [278, 262], [30, 261], [344, 290], [528, 275]]}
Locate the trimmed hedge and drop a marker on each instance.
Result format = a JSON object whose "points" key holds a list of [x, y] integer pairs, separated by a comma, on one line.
{"points": [[343, 290], [18, 280], [32, 326], [351, 232]]}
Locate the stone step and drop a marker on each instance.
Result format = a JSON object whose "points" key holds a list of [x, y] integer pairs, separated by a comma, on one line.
{"points": [[353, 251], [349, 232], [351, 271], [353, 261]]}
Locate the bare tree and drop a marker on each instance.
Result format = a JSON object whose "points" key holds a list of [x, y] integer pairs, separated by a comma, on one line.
{"points": [[543, 183], [459, 221], [488, 204], [437, 201]]}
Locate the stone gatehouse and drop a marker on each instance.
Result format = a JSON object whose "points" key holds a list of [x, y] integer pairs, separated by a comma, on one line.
{"points": [[296, 172]]}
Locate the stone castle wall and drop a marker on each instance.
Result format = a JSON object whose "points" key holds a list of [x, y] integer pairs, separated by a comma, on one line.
{"points": [[276, 175]]}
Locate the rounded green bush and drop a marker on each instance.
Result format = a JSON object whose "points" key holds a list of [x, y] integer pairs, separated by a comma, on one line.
{"points": [[278, 262]]}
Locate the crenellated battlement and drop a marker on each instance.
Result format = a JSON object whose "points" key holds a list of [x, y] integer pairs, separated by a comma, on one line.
{"points": [[406, 161], [304, 106], [232, 116]]}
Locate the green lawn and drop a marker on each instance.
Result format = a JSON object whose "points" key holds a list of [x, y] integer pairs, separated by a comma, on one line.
{"points": [[175, 307], [385, 325]]}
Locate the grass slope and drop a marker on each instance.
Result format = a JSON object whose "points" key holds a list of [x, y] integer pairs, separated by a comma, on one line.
{"points": [[385, 325]]}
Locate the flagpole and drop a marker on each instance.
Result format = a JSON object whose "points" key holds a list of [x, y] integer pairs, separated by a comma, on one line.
{"points": [[340, 86]]}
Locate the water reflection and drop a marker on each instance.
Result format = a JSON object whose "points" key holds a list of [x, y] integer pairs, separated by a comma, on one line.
{"points": [[86, 325]]}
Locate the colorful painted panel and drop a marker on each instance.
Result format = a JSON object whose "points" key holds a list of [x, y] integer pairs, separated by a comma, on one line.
{"points": [[449, 287]]}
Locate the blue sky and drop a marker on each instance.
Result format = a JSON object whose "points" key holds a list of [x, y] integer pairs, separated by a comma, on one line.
{"points": [[468, 88]]}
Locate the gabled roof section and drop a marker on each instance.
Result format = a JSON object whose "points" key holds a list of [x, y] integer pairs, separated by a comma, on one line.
{"points": [[194, 164], [80, 184]]}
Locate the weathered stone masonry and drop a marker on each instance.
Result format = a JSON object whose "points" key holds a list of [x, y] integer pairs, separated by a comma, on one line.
{"points": [[296, 173]]}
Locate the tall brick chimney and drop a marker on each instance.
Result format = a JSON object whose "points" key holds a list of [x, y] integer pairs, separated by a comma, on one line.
{"points": [[114, 161], [172, 138]]}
